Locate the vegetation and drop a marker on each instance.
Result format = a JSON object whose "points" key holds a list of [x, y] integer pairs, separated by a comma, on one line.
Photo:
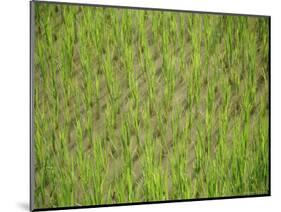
{"points": [[139, 106]]}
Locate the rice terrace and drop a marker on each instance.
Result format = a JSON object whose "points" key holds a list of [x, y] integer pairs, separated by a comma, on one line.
{"points": [[134, 105]]}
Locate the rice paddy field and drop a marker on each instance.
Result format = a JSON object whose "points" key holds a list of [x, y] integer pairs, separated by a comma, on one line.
{"points": [[145, 105]]}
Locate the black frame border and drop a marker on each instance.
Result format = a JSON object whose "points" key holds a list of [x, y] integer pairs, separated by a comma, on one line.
{"points": [[31, 104]]}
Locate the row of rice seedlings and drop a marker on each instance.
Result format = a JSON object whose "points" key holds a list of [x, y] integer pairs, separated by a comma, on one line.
{"points": [[241, 150], [263, 35], [99, 171], [241, 153], [248, 101], [252, 79], [141, 29], [215, 165], [182, 48], [41, 155], [148, 159], [135, 124], [156, 26], [228, 40], [92, 42], [87, 45], [262, 155], [195, 32], [40, 127], [64, 193], [239, 33], [52, 147], [153, 174], [210, 114], [150, 73], [127, 173], [113, 87], [97, 28], [147, 64], [87, 67], [173, 32], [52, 159], [212, 74], [69, 37], [162, 130], [131, 74], [80, 162], [126, 28], [45, 28], [169, 72], [237, 167], [207, 36], [180, 177], [224, 119]]}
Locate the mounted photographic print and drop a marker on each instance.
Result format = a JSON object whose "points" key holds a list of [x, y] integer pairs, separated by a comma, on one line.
{"points": [[139, 105]]}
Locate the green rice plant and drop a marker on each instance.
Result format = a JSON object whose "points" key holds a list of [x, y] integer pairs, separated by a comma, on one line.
{"points": [[126, 33], [169, 71], [131, 74], [141, 35], [99, 171], [156, 18], [135, 118], [252, 66], [229, 40], [126, 148], [182, 47], [86, 64], [154, 176], [181, 180], [97, 95], [149, 70], [110, 122], [196, 37], [209, 117], [112, 87], [207, 20], [68, 43]]}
